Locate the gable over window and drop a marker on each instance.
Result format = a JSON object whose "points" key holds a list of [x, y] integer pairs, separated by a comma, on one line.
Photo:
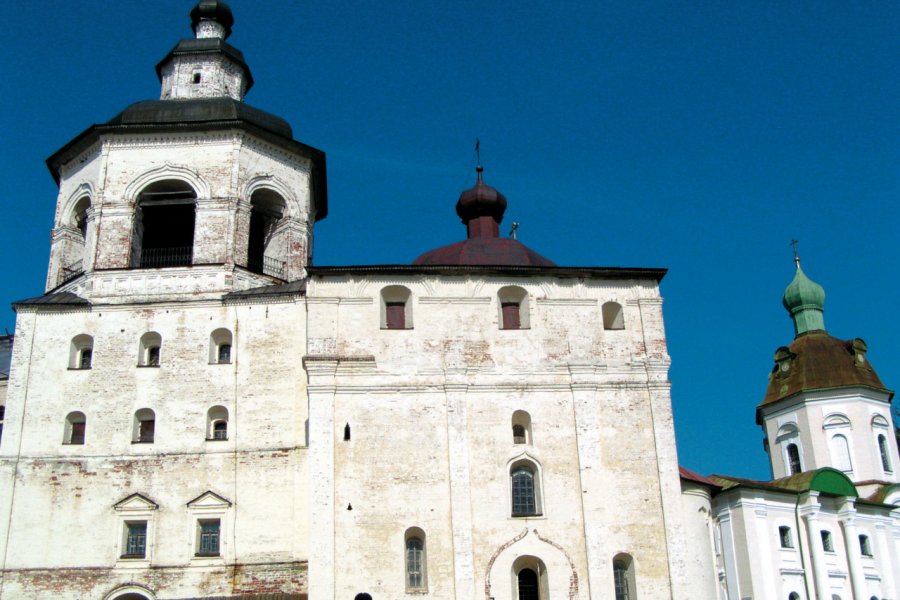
{"points": [[163, 234], [396, 309]]}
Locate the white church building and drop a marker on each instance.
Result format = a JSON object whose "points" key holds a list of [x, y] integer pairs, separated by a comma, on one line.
{"points": [[196, 410]]}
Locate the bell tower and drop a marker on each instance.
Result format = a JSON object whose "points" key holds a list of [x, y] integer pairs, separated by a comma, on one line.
{"points": [[194, 193], [825, 405]]}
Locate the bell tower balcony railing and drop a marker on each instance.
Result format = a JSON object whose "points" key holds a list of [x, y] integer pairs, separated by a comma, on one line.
{"points": [[267, 266], [151, 258], [70, 271]]}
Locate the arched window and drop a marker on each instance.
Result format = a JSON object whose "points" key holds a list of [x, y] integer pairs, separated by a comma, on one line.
{"points": [[525, 489], [396, 309], [149, 349], [794, 596], [220, 347], [164, 225], [613, 317], [885, 452], [521, 427], [362, 596], [513, 302], [75, 428], [81, 352], [623, 577], [75, 246], [415, 559], [144, 426], [217, 423], [530, 578], [793, 455], [266, 251], [840, 453]]}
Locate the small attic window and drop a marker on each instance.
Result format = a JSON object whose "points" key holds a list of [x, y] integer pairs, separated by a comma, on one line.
{"points": [[858, 349], [196, 78]]}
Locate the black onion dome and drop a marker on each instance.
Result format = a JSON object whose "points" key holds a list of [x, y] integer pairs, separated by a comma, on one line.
{"points": [[481, 201], [212, 10]]}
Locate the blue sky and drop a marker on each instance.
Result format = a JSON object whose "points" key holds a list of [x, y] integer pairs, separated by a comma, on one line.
{"points": [[700, 136]]}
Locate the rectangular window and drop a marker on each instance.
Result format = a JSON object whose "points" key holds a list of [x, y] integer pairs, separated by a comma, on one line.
{"points": [[77, 433], [135, 539], [865, 546], [510, 312], [146, 431], [827, 542], [224, 354], [209, 538], [784, 533], [395, 315]]}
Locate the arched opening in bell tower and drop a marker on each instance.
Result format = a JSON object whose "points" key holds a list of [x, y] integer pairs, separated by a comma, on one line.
{"points": [[265, 251], [164, 225]]}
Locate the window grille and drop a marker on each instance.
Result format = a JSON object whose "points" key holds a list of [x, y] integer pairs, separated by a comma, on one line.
{"points": [[523, 503], [209, 538], [620, 578], [528, 585], [415, 560], [136, 540], [220, 430]]}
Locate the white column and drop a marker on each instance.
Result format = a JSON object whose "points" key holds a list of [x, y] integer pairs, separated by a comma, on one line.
{"points": [[460, 490], [847, 516], [810, 513]]}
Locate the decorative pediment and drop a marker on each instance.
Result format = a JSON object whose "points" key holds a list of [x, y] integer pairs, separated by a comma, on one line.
{"points": [[209, 499], [135, 502]]}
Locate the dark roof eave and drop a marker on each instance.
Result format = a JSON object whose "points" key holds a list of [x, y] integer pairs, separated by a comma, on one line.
{"points": [[57, 299], [597, 272], [92, 134]]}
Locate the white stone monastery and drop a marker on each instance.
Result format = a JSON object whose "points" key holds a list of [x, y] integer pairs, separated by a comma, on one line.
{"points": [[195, 410]]}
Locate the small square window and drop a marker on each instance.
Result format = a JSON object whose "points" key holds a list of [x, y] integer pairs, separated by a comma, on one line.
{"points": [[208, 542], [135, 539]]}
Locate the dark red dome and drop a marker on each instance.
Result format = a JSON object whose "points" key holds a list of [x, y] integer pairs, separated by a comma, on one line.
{"points": [[481, 208], [481, 201]]}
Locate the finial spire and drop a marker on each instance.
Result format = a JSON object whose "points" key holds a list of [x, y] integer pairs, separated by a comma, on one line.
{"points": [[796, 255], [478, 151]]}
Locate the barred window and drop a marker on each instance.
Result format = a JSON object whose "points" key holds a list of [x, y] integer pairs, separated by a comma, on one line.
{"points": [[209, 538], [523, 499], [135, 539], [623, 577], [528, 585], [415, 563], [885, 453], [794, 459]]}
